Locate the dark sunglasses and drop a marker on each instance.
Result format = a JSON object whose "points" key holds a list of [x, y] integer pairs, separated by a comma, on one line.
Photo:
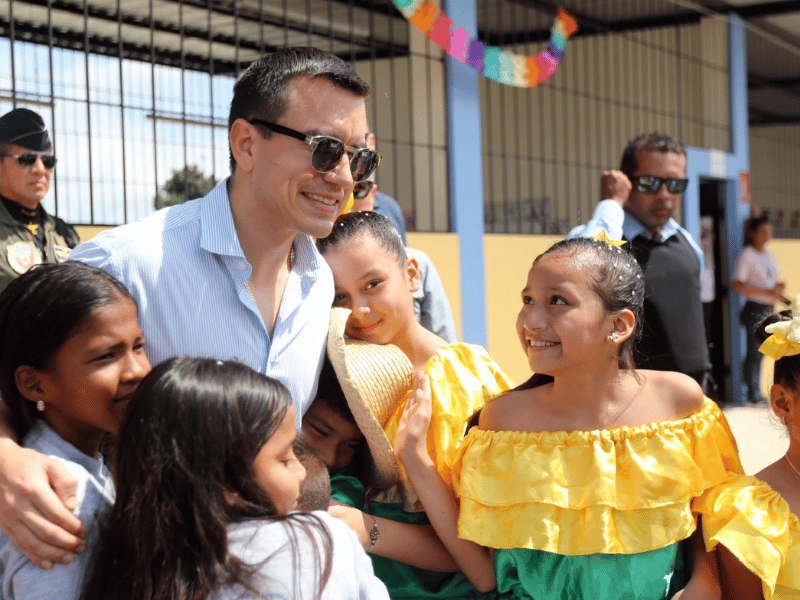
{"points": [[28, 159], [327, 151], [362, 188], [648, 184]]}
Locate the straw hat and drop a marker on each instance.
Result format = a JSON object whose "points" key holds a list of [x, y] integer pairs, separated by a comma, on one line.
{"points": [[374, 379]]}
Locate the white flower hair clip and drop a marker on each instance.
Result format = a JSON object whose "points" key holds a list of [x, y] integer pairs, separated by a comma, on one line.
{"points": [[785, 338]]}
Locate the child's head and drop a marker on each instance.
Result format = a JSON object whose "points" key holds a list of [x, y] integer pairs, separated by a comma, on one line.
{"points": [[206, 444], [374, 278], [329, 425], [757, 231], [214, 436], [785, 391], [581, 295], [315, 491], [72, 351], [373, 379]]}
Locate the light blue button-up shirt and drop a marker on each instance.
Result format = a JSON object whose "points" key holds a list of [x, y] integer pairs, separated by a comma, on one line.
{"points": [[186, 269], [619, 224]]}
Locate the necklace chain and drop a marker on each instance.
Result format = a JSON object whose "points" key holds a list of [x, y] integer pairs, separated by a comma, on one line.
{"points": [[786, 456], [291, 266]]}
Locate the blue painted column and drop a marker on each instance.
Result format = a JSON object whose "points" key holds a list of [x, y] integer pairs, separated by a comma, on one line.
{"points": [[466, 175], [736, 211]]}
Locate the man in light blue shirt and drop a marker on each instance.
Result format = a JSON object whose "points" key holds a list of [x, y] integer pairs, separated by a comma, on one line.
{"points": [[234, 274], [639, 201]]}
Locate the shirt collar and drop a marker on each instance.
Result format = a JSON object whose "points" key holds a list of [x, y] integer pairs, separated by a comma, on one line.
{"points": [[217, 230], [47, 441], [218, 233], [631, 228]]}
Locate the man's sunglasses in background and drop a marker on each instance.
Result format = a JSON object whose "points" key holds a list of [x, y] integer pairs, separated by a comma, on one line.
{"points": [[28, 159], [362, 188], [649, 184], [327, 151]]}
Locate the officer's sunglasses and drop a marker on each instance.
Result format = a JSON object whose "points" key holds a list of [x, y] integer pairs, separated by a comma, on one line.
{"points": [[327, 151], [28, 159], [649, 184], [362, 188]]}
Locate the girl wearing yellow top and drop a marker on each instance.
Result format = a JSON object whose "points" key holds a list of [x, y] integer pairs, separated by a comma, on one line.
{"points": [[375, 280], [580, 480], [754, 521]]}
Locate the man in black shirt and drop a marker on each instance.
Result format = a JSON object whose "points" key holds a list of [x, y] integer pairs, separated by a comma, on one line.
{"points": [[638, 203]]}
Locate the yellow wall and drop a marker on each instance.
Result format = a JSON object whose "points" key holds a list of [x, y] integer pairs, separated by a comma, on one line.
{"points": [[443, 251], [87, 232], [507, 261]]}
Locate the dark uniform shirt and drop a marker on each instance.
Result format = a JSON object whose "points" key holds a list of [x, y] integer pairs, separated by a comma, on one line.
{"points": [[49, 239]]}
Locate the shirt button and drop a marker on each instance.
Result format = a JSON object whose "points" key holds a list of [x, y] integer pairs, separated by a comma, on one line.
{"points": [[242, 266]]}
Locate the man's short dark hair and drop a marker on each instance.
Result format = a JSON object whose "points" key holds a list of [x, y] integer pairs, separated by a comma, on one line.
{"points": [[260, 92], [654, 141]]}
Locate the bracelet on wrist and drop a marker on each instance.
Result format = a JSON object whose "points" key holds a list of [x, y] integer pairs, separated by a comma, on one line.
{"points": [[374, 534]]}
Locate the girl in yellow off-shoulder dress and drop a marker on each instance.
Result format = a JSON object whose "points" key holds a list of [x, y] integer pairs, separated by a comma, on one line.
{"points": [[754, 522], [580, 480]]}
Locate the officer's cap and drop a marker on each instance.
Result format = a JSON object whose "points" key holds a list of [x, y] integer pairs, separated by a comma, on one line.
{"points": [[24, 128]]}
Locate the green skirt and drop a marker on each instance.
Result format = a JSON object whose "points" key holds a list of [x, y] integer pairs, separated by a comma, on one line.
{"points": [[404, 582], [538, 575]]}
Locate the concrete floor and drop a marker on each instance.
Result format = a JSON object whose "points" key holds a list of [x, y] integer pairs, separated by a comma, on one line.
{"points": [[760, 436]]}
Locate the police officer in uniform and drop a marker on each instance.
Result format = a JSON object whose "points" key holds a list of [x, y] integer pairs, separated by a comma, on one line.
{"points": [[28, 235]]}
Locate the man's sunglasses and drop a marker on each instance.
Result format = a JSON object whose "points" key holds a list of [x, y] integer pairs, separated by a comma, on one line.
{"points": [[28, 159], [362, 188], [327, 151], [648, 184]]}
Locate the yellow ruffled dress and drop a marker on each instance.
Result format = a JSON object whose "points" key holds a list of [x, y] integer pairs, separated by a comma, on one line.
{"points": [[756, 524], [463, 379], [591, 514]]}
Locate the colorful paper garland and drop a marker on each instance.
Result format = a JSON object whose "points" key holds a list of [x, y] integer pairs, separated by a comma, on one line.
{"points": [[490, 61]]}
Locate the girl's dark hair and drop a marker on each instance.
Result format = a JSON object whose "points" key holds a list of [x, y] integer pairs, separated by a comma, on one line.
{"points": [[39, 311], [353, 225], [186, 447], [616, 277], [751, 227], [787, 369]]}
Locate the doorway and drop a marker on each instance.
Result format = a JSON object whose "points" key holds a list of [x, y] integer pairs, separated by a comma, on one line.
{"points": [[714, 235]]}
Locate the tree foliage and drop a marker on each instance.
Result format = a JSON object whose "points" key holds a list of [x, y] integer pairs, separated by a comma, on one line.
{"points": [[185, 184]]}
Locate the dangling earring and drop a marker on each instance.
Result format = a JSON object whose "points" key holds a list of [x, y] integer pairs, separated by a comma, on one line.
{"points": [[614, 337], [40, 406]]}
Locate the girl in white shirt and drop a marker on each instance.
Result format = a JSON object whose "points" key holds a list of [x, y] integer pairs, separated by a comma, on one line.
{"points": [[207, 487]]}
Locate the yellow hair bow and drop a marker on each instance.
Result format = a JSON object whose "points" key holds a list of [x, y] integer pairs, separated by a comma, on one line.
{"points": [[785, 338], [603, 237]]}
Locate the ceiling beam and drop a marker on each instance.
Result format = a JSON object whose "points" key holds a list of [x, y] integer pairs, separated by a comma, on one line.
{"points": [[762, 117], [766, 9], [754, 82]]}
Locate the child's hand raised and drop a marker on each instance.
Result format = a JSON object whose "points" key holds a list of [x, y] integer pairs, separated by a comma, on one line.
{"points": [[411, 443]]}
